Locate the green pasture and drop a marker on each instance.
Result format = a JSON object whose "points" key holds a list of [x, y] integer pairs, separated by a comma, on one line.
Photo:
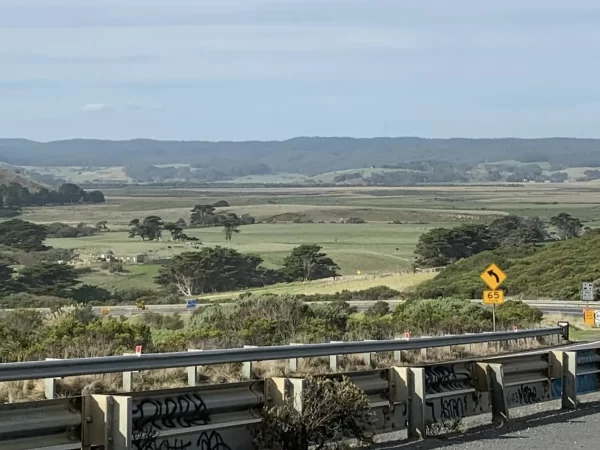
{"points": [[376, 247]]}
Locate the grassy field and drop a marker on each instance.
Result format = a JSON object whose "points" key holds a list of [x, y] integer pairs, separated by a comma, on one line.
{"points": [[376, 247], [399, 282], [370, 248]]}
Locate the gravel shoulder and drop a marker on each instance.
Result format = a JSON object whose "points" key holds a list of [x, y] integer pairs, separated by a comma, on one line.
{"points": [[535, 427]]}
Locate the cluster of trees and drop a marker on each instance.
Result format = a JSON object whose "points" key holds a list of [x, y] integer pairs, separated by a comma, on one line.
{"points": [[62, 230], [442, 246], [203, 173], [222, 269], [29, 237], [205, 216], [46, 278], [14, 196], [442, 173], [553, 271], [151, 228], [23, 235]]}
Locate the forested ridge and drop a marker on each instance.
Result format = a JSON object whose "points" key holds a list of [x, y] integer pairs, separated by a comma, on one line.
{"points": [[306, 155]]}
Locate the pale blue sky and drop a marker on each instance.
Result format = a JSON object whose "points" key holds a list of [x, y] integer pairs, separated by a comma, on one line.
{"points": [[274, 69]]}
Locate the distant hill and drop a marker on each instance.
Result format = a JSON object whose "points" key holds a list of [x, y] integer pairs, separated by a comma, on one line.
{"points": [[10, 176], [303, 155]]}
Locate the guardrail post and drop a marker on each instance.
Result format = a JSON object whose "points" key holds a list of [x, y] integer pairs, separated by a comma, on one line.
{"points": [[108, 422], [398, 381], [424, 349], [367, 355], [334, 359], [128, 377], [569, 380], [192, 372], [247, 366], [416, 403], [398, 353], [293, 362], [127, 381], [50, 384], [495, 378]]}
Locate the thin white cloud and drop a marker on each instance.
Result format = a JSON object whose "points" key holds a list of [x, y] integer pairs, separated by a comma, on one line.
{"points": [[95, 107]]}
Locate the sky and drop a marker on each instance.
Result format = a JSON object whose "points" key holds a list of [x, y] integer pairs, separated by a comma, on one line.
{"points": [[275, 69]]}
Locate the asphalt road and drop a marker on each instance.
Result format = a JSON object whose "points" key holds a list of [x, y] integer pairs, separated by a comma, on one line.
{"points": [[536, 427], [570, 308]]}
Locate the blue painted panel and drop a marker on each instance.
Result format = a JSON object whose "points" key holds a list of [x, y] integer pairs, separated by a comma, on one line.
{"points": [[585, 384]]}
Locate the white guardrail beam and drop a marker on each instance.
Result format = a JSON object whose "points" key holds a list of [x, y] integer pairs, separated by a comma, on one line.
{"points": [[111, 364]]}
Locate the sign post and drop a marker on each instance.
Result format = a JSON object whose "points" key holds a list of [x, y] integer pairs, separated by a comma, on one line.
{"points": [[493, 276], [587, 292]]}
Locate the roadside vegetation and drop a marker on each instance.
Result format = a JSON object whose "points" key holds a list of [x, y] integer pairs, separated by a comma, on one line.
{"points": [[266, 320]]}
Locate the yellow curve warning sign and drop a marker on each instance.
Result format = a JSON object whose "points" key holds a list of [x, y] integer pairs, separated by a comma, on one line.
{"points": [[493, 276]]}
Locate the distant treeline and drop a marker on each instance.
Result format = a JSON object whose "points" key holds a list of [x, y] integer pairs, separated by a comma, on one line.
{"points": [[13, 196]]}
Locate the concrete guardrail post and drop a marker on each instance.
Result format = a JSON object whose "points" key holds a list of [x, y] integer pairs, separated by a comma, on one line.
{"points": [[416, 403], [128, 377], [247, 366], [424, 349], [334, 359], [293, 362], [398, 353], [367, 355], [50, 384], [495, 380], [565, 369], [192, 372]]}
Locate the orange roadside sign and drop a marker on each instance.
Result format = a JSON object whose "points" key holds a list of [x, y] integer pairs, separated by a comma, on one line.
{"points": [[588, 317]]}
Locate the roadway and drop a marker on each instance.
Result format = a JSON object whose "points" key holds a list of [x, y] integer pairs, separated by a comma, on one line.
{"points": [[558, 307], [542, 426]]}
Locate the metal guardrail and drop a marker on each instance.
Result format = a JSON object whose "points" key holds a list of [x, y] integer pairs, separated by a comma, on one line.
{"points": [[112, 364], [222, 417]]}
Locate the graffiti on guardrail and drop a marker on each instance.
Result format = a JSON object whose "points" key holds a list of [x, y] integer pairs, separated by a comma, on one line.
{"points": [[152, 415], [525, 394], [447, 377], [181, 411], [208, 440]]}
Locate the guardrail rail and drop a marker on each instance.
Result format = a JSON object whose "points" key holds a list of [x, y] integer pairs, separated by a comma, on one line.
{"points": [[222, 417]]}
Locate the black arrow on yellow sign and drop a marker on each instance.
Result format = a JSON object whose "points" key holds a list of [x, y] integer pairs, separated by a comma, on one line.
{"points": [[491, 273]]}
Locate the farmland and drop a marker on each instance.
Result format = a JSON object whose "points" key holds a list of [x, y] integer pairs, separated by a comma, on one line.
{"points": [[287, 217]]}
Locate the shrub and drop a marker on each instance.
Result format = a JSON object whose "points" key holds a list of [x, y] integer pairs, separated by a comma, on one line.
{"points": [[329, 410], [513, 313], [355, 220], [453, 316]]}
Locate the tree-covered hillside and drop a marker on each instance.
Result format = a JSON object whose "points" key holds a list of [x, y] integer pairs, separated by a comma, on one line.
{"points": [[555, 271], [306, 155]]}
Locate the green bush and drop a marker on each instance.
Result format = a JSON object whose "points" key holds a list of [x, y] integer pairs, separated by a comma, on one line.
{"points": [[449, 316]]}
